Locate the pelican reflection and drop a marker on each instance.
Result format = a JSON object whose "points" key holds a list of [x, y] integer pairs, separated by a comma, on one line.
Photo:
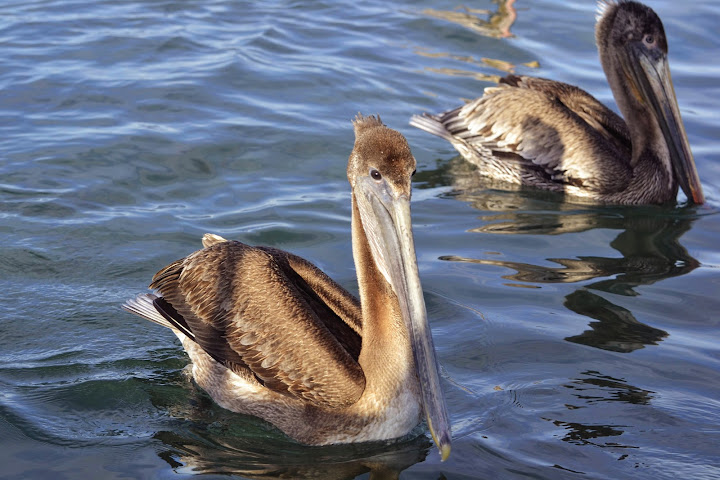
{"points": [[594, 389], [496, 26], [648, 243], [205, 450], [204, 438]]}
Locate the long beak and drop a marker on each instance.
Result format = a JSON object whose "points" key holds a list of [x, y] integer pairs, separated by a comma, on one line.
{"points": [[386, 219], [652, 76]]}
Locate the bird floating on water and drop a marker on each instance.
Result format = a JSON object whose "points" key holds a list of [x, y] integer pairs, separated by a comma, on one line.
{"points": [[271, 335], [551, 135]]}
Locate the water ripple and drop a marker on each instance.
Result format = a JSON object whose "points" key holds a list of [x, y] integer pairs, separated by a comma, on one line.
{"points": [[573, 340]]}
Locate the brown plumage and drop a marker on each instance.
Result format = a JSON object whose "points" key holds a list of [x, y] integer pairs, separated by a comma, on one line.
{"points": [[271, 335], [557, 137]]}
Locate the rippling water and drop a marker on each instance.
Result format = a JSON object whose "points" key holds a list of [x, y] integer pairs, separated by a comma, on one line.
{"points": [[575, 341]]}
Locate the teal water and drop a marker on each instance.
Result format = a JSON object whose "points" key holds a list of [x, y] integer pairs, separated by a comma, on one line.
{"points": [[576, 342]]}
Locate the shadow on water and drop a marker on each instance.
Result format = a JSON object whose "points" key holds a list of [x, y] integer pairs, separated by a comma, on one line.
{"points": [[212, 440], [593, 389], [207, 451], [649, 247]]}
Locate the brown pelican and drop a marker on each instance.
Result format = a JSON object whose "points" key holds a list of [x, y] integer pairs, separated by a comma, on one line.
{"points": [[270, 335], [554, 136]]}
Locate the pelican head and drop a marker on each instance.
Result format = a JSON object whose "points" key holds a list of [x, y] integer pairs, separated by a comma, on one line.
{"points": [[380, 170], [633, 52]]}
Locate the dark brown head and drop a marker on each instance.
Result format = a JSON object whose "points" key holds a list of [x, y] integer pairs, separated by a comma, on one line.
{"points": [[624, 22], [382, 154], [633, 51]]}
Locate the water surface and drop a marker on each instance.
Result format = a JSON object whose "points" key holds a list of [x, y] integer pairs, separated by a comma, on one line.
{"points": [[575, 341]]}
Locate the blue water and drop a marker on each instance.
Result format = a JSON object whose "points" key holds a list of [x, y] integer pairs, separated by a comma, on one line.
{"points": [[575, 341]]}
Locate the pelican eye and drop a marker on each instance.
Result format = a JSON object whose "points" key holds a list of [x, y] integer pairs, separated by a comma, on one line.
{"points": [[375, 175], [649, 40]]}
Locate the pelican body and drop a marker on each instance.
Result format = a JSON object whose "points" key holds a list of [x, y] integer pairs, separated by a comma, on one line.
{"points": [[270, 335], [551, 135]]}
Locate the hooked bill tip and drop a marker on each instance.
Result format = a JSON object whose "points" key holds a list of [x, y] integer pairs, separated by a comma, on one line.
{"points": [[444, 452], [442, 443]]}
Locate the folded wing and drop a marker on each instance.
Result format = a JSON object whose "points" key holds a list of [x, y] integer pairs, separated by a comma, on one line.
{"points": [[296, 331]]}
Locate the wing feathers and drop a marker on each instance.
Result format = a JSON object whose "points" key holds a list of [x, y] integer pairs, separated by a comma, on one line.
{"points": [[247, 306], [566, 132]]}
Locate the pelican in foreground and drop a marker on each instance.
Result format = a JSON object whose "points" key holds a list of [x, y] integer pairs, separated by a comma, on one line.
{"points": [[554, 136], [270, 335]]}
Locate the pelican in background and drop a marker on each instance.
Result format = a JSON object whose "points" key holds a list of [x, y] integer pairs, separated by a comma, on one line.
{"points": [[554, 136], [270, 335]]}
